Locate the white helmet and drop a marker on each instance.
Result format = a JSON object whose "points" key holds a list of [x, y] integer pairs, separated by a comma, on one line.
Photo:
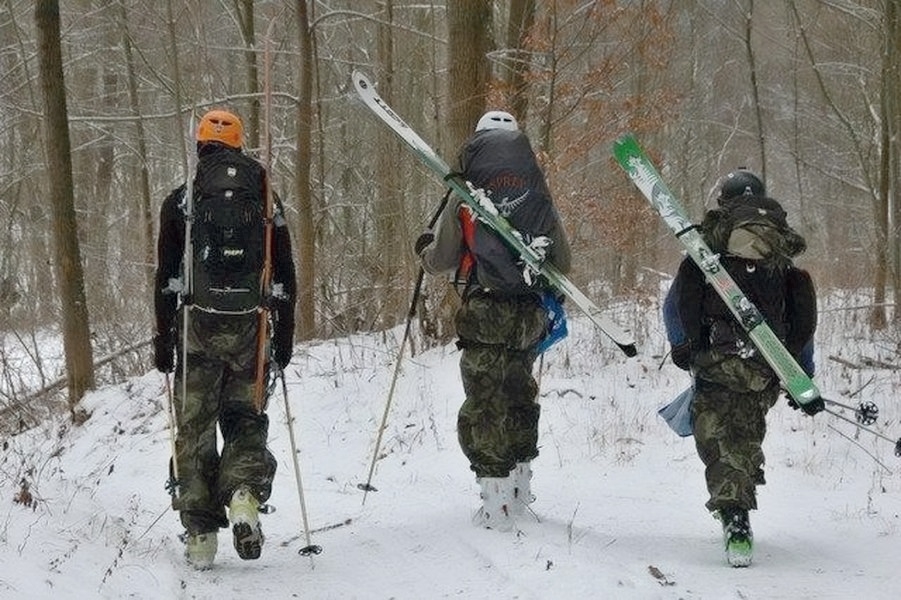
{"points": [[497, 119]]}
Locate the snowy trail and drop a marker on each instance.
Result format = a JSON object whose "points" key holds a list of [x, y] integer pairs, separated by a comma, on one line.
{"points": [[620, 497]]}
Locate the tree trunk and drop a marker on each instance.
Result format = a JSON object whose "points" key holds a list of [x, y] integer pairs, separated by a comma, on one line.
{"points": [[469, 38], [755, 88], [305, 242], [245, 20], [893, 117], [176, 73], [522, 16], [389, 194], [146, 204], [67, 256]]}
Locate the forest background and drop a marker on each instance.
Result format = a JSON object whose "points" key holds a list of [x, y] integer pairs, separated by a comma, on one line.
{"points": [[96, 99]]}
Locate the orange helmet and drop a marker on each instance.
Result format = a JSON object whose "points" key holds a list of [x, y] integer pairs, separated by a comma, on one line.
{"points": [[221, 126]]}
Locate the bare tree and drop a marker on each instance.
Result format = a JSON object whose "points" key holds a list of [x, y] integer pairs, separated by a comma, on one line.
{"points": [[469, 34], [67, 256], [305, 242], [892, 115], [145, 202], [522, 17], [244, 8]]}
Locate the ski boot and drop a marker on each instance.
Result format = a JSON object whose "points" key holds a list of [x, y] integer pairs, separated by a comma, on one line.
{"points": [[522, 487], [200, 550], [244, 514], [497, 501], [738, 538]]}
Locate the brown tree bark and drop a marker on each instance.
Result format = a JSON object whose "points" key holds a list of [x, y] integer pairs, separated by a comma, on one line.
{"points": [[522, 16], [67, 256], [755, 88], [305, 243], [145, 202], [246, 21], [469, 37], [389, 275], [893, 117]]}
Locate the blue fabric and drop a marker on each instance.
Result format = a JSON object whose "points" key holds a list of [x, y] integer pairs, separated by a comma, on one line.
{"points": [[806, 358], [677, 413], [675, 333], [556, 329]]}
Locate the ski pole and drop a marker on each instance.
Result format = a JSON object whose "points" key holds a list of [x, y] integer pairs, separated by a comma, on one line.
{"points": [[866, 413], [310, 548], [172, 484], [367, 487], [867, 429]]}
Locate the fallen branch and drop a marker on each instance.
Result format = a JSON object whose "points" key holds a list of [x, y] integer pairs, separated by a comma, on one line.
{"points": [[844, 362]]}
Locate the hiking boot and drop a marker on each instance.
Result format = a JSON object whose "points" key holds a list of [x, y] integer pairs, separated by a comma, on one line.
{"points": [[200, 550], [497, 499], [244, 514], [522, 487], [738, 538]]}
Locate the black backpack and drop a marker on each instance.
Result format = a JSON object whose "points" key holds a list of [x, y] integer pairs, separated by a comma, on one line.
{"points": [[228, 233], [502, 164]]}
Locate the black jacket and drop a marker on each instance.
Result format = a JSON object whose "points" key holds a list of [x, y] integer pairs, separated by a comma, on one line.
{"points": [[784, 295]]}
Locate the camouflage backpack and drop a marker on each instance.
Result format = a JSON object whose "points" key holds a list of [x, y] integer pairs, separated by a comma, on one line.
{"points": [[752, 227]]}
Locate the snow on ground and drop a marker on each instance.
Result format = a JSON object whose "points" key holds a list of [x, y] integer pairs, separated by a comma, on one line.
{"points": [[620, 509]]}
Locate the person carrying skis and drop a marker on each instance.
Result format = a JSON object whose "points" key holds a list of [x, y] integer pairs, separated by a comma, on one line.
{"points": [[734, 387], [213, 303], [504, 314]]}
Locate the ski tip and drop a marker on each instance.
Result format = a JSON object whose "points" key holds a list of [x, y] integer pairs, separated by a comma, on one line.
{"points": [[361, 82], [624, 139], [625, 146], [628, 349]]}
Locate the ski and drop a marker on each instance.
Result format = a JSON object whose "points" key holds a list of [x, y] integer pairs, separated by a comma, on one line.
{"points": [[646, 178], [486, 212]]}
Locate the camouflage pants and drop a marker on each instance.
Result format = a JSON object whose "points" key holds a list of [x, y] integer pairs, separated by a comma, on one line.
{"points": [[220, 386], [497, 425], [729, 428]]}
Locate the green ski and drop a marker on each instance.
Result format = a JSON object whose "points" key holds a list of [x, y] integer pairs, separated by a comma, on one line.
{"points": [[645, 176]]}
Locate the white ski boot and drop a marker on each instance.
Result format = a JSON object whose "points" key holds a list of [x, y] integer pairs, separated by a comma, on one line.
{"points": [[200, 550], [522, 487], [244, 514], [497, 500]]}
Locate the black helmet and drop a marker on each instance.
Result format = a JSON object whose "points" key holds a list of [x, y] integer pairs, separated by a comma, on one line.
{"points": [[741, 182]]}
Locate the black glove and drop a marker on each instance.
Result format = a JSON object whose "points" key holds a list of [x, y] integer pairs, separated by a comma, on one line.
{"points": [[281, 356], [681, 355], [164, 352], [811, 408], [426, 238], [282, 347]]}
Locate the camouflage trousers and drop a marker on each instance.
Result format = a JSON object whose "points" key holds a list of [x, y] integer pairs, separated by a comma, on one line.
{"points": [[497, 425], [729, 428], [221, 373]]}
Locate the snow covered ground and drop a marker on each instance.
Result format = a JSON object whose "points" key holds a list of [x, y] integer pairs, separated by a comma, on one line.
{"points": [[620, 507]]}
